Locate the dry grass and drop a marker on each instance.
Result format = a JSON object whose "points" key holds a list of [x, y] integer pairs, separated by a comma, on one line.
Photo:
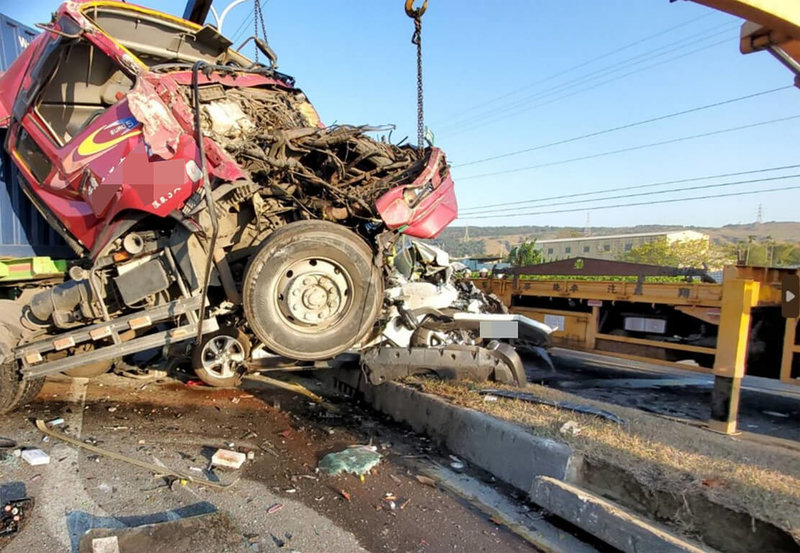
{"points": [[758, 479]]}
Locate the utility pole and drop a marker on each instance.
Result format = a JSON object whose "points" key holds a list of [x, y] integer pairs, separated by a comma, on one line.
{"points": [[759, 218]]}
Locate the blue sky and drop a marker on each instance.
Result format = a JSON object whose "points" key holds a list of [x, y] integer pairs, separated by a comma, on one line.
{"points": [[489, 90]]}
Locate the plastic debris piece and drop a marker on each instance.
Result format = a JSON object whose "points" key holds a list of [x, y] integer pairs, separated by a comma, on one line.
{"points": [[426, 480], [776, 414], [571, 428], [457, 464], [226, 458], [358, 460], [275, 508], [344, 494], [56, 422], [35, 457], [489, 397], [105, 545]]}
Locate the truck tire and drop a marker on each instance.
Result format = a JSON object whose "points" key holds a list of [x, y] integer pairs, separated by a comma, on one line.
{"points": [[312, 291], [14, 392]]}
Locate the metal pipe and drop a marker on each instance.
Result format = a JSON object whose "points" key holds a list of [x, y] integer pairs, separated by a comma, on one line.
{"points": [[220, 18], [212, 212]]}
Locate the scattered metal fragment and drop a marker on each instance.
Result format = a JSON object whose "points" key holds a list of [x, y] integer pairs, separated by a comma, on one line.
{"points": [[569, 406], [155, 469], [776, 414]]}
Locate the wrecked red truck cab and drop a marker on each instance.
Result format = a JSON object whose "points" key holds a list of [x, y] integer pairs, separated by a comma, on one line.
{"points": [[213, 214]]}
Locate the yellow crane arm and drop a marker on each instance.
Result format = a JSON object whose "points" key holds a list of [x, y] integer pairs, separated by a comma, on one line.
{"points": [[772, 25]]}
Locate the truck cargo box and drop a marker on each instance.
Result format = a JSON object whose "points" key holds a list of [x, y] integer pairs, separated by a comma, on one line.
{"points": [[23, 232]]}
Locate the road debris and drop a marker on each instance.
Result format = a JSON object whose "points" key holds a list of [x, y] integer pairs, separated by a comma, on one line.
{"points": [[571, 428], [457, 464], [776, 414], [13, 515], [358, 460], [214, 531], [56, 422], [344, 494], [426, 480], [267, 446], [35, 457], [105, 545], [569, 406], [155, 469], [289, 386], [275, 508], [225, 458]]}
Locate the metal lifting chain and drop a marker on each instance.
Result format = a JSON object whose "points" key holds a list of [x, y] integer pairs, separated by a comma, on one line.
{"points": [[258, 19], [416, 38]]}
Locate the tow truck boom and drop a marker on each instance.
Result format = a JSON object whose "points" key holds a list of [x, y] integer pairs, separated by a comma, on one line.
{"points": [[772, 25]]}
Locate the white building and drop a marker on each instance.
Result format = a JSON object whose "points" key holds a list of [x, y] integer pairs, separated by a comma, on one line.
{"points": [[609, 247]]}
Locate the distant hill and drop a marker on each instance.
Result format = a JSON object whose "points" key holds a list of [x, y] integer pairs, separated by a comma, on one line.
{"points": [[498, 240]]}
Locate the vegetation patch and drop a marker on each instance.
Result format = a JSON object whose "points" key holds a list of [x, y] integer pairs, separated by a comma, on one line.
{"points": [[661, 454]]}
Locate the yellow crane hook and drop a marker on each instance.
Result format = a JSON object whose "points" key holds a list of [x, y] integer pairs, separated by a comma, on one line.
{"points": [[415, 13]]}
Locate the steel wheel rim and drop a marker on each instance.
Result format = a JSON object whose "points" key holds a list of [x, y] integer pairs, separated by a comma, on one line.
{"points": [[313, 293]]}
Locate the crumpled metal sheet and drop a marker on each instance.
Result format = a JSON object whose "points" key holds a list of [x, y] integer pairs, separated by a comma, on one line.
{"points": [[160, 129]]}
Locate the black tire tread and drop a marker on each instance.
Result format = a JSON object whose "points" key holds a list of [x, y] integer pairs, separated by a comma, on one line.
{"points": [[297, 231]]}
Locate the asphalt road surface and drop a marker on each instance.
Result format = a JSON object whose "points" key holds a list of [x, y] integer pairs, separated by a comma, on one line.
{"points": [[280, 501]]}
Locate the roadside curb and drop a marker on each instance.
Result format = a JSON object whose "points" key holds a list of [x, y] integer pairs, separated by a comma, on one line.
{"points": [[548, 472], [606, 520], [499, 447]]}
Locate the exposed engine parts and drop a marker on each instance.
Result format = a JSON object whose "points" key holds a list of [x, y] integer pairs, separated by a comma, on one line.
{"points": [[299, 168]]}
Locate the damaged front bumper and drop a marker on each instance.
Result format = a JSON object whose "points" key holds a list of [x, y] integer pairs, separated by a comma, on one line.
{"points": [[435, 322]]}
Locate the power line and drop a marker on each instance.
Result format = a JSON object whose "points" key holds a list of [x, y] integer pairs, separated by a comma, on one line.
{"points": [[638, 194], [631, 148], [585, 63], [243, 25], [674, 200], [622, 127], [596, 74], [590, 87], [636, 187]]}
